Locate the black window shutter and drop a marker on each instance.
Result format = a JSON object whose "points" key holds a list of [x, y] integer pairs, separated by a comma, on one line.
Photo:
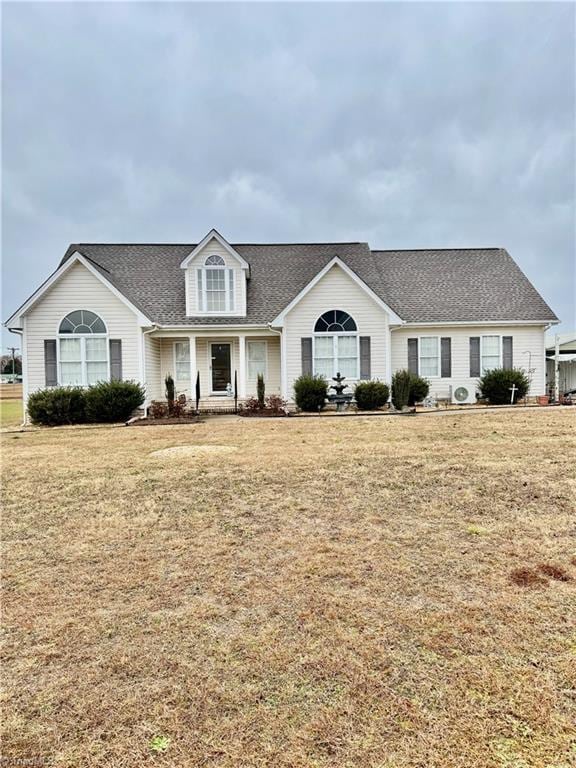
{"points": [[413, 356], [115, 359], [306, 356], [50, 364], [474, 355], [446, 357], [507, 356], [365, 364]]}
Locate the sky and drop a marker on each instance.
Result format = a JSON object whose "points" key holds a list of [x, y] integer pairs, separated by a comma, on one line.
{"points": [[404, 125]]}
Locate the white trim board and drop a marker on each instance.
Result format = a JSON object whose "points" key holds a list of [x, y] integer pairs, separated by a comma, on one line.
{"points": [[75, 258], [337, 262], [214, 234]]}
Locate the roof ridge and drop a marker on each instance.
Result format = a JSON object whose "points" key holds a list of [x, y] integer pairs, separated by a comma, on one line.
{"points": [[325, 242], [466, 248]]}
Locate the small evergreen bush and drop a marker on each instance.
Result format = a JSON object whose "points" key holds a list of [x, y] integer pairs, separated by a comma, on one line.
{"points": [[58, 405], [310, 392], [401, 389], [495, 385], [260, 390], [170, 392], [419, 389], [110, 401], [371, 395]]}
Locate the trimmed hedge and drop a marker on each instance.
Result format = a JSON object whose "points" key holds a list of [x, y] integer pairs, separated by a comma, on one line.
{"points": [[310, 393], [371, 395], [58, 405], [105, 402], [495, 385], [110, 401]]}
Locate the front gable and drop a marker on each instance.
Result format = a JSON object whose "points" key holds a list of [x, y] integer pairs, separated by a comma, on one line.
{"points": [[335, 284]]}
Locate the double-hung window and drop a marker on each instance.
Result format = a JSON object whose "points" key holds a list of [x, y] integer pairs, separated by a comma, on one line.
{"points": [[215, 286], [83, 351], [336, 345], [490, 353], [182, 362], [257, 358], [429, 354]]}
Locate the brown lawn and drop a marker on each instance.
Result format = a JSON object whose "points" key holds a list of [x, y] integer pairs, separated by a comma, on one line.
{"points": [[343, 593]]}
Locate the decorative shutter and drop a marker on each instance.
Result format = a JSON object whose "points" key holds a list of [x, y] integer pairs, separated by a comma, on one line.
{"points": [[50, 362], [446, 357], [231, 290], [413, 356], [474, 355], [199, 292], [306, 356], [365, 357], [115, 359], [507, 356]]}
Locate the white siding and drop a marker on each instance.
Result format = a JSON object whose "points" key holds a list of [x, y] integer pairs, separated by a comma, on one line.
{"points": [[525, 339], [214, 247], [154, 390], [272, 377], [78, 288], [336, 290]]}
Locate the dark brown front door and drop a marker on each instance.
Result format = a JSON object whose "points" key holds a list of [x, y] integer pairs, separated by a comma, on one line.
{"points": [[220, 367]]}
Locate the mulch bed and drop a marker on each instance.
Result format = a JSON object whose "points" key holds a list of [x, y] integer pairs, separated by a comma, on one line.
{"points": [[147, 421]]}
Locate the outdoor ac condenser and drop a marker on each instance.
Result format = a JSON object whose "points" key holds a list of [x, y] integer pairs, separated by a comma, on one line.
{"points": [[462, 394]]}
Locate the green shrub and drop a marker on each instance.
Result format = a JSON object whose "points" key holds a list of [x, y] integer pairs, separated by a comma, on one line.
{"points": [[310, 392], [58, 405], [495, 385], [110, 401], [260, 390], [170, 392], [371, 395], [401, 389], [419, 389]]}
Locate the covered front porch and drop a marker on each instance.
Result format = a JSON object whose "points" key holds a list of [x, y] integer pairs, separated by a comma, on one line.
{"points": [[226, 363]]}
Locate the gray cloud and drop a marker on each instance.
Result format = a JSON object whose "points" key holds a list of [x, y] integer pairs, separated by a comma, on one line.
{"points": [[407, 125]]}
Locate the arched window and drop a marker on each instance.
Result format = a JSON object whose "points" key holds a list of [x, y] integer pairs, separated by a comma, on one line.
{"points": [[215, 261], [336, 345], [335, 321], [82, 321], [83, 356], [215, 286]]}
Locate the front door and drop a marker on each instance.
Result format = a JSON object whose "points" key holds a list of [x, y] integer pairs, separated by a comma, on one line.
{"points": [[220, 367]]}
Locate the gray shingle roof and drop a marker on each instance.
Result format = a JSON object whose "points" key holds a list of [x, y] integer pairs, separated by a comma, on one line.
{"points": [[470, 284]]}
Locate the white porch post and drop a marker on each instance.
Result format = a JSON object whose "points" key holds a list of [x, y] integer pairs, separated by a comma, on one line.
{"points": [[283, 366], [242, 366], [193, 366]]}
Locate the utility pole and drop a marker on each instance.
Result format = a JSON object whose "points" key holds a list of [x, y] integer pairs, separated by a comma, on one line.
{"points": [[557, 368], [13, 350]]}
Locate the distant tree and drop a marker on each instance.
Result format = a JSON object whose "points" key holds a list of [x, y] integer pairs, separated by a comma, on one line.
{"points": [[7, 365]]}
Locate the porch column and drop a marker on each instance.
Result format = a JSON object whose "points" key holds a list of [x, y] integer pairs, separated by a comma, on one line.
{"points": [[242, 366], [193, 366], [283, 365]]}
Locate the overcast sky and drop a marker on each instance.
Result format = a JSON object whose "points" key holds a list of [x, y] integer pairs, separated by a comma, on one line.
{"points": [[405, 125]]}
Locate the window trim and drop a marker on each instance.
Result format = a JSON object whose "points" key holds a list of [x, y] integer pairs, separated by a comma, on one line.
{"points": [[335, 335], [82, 337], [266, 362], [438, 357], [499, 336], [230, 298], [176, 380]]}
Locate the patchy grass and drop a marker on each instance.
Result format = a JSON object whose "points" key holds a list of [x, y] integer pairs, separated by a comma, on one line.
{"points": [[336, 593], [10, 413]]}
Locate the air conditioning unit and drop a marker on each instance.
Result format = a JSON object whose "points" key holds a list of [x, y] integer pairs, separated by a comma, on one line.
{"points": [[461, 394]]}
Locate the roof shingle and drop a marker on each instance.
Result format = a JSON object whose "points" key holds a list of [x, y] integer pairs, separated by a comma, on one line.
{"points": [[447, 285]]}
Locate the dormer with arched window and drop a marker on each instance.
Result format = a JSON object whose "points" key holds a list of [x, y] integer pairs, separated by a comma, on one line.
{"points": [[215, 276]]}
